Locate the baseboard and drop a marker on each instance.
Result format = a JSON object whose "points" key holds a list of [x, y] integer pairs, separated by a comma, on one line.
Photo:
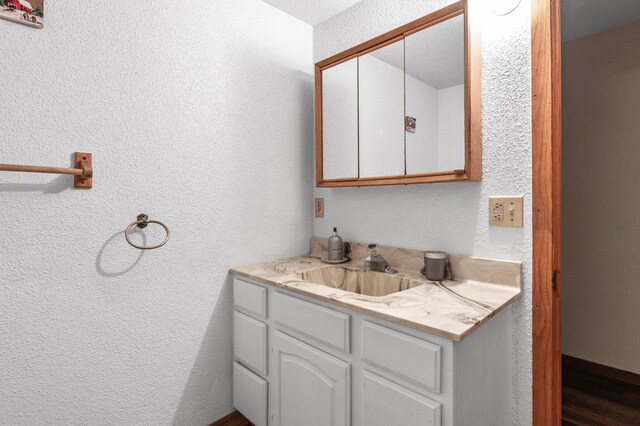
{"points": [[577, 364], [232, 419]]}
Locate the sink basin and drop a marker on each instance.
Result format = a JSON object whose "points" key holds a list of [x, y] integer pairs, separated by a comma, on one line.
{"points": [[369, 283]]}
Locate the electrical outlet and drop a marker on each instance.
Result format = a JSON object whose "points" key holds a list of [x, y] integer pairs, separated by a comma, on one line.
{"points": [[319, 207], [506, 211]]}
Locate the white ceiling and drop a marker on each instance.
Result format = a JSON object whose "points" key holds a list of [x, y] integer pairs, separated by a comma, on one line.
{"points": [[581, 18], [312, 11], [434, 55]]}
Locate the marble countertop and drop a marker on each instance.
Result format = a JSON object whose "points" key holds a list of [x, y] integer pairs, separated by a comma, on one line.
{"points": [[491, 285]]}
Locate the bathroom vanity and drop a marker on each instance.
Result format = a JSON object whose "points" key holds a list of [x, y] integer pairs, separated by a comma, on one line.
{"points": [[318, 344]]}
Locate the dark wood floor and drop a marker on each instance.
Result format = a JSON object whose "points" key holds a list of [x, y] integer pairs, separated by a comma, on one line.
{"points": [[591, 399], [233, 419]]}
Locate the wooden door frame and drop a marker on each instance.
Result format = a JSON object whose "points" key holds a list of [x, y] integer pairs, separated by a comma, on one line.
{"points": [[546, 206]]}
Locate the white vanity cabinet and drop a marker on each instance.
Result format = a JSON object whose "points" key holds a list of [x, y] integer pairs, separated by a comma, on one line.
{"points": [[300, 361]]}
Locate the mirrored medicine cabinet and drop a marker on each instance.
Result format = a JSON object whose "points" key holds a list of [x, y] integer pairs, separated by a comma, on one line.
{"points": [[404, 107]]}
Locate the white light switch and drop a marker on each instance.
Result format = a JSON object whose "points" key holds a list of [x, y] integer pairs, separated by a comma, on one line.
{"points": [[506, 211]]}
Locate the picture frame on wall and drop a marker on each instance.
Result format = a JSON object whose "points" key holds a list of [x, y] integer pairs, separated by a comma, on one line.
{"points": [[27, 12]]}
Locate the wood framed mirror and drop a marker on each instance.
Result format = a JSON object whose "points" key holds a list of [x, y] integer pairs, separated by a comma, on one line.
{"points": [[404, 107]]}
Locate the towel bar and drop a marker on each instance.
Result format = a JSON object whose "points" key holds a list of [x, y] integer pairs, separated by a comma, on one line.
{"points": [[83, 172]]}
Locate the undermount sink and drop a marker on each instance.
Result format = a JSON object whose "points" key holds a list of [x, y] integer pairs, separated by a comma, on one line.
{"points": [[369, 283]]}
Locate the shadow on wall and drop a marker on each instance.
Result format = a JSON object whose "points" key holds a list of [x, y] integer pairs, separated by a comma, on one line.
{"points": [[207, 394], [56, 186], [110, 263]]}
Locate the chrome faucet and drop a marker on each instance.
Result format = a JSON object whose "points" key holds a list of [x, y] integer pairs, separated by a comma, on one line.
{"points": [[375, 261]]}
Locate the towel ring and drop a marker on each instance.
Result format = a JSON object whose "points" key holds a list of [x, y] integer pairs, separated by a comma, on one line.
{"points": [[142, 222]]}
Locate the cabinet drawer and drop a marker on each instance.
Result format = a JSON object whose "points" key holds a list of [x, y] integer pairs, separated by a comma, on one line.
{"points": [[250, 342], [406, 356], [250, 395], [250, 298], [319, 323], [385, 403]]}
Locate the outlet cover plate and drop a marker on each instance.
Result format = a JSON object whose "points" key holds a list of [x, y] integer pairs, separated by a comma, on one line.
{"points": [[506, 211], [318, 207]]}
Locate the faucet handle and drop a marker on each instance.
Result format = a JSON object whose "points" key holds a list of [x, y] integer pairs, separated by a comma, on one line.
{"points": [[367, 263]]}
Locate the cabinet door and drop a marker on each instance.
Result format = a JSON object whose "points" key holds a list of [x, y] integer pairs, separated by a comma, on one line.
{"points": [[381, 118], [385, 403], [340, 121], [313, 386], [435, 97]]}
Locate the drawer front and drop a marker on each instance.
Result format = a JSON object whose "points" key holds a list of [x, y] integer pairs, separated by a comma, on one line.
{"points": [[250, 395], [412, 359], [250, 298], [385, 403], [250, 342], [319, 323]]}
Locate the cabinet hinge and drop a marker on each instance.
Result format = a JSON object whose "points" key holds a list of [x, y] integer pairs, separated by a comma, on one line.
{"points": [[554, 280]]}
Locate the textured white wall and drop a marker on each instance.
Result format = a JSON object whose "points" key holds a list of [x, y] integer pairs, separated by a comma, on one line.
{"points": [[453, 217], [200, 116]]}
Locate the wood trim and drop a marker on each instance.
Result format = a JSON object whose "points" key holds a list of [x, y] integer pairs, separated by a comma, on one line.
{"points": [[577, 364], [412, 178], [318, 112], [546, 149], [333, 64], [232, 419], [381, 45], [394, 33], [473, 99], [434, 22], [404, 180], [473, 93]]}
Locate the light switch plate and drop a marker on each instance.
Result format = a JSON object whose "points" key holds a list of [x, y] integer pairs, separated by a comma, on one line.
{"points": [[506, 211], [318, 207]]}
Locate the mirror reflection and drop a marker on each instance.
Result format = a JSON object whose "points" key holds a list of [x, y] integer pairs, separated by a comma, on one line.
{"points": [[403, 108], [340, 120], [435, 99], [381, 103]]}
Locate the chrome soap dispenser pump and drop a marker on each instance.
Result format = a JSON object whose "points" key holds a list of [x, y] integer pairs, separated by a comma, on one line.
{"points": [[336, 246]]}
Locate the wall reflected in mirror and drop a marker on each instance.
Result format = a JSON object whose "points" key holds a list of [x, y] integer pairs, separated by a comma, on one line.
{"points": [[434, 68], [340, 120], [381, 102]]}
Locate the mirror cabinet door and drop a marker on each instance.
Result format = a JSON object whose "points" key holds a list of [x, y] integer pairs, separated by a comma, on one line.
{"points": [[404, 107], [340, 120], [381, 103], [435, 97]]}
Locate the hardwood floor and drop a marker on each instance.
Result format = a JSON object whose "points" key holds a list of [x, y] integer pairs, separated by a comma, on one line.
{"points": [[233, 419], [594, 395]]}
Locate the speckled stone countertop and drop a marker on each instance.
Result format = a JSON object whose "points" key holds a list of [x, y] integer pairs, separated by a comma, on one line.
{"points": [[491, 285]]}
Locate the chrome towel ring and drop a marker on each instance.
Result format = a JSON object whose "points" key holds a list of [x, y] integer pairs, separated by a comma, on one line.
{"points": [[142, 222]]}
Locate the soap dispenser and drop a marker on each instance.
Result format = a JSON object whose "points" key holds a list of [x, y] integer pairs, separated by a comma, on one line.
{"points": [[336, 246]]}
